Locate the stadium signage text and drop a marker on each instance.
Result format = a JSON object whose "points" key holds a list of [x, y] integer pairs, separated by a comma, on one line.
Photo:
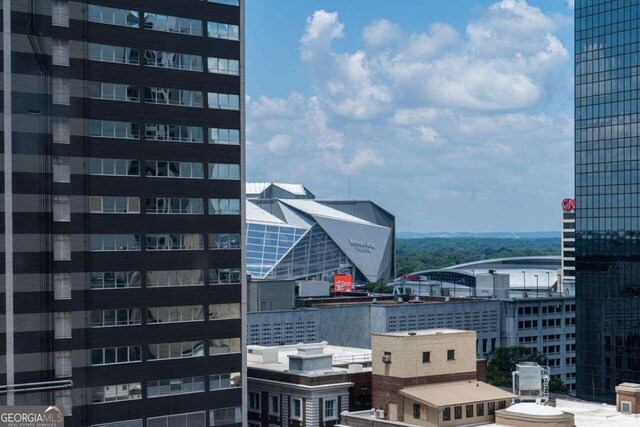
{"points": [[362, 245]]}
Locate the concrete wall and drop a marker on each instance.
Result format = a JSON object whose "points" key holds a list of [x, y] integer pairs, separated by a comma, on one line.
{"points": [[406, 354], [271, 295]]}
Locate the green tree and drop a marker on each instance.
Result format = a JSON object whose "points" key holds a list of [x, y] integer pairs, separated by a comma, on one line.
{"points": [[503, 361]]}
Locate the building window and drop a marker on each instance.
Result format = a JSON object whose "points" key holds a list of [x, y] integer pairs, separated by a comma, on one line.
{"points": [[115, 317], [162, 169], [170, 278], [60, 13], [60, 130], [116, 393], [114, 167], [224, 171], [296, 410], [224, 241], [330, 409], [173, 206], [220, 30], [170, 387], [254, 401], [224, 206], [228, 2], [114, 54], [64, 402], [177, 97], [175, 314], [112, 129], [224, 345], [224, 416], [224, 136], [114, 242], [62, 364], [114, 92], [193, 419], [469, 409], [62, 286], [172, 24], [127, 423], [174, 242], [416, 411], [112, 16], [60, 91], [224, 311], [176, 133], [115, 355], [491, 408], [426, 357], [223, 101], [61, 247], [115, 280], [274, 404], [60, 52], [61, 169], [172, 60], [480, 410], [451, 355], [176, 350], [224, 276], [502, 404], [114, 205], [457, 412], [62, 325], [224, 381], [446, 414], [61, 208], [223, 66]]}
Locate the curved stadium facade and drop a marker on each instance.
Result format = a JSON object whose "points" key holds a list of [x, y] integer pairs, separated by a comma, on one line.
{"points": [[295, 237]]}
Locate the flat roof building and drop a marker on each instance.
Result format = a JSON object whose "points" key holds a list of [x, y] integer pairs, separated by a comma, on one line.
{"points": [[306, 384], [428, 378]]}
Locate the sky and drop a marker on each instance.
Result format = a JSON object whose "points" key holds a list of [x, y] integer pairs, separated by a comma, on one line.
{"points": [[454, 115]]}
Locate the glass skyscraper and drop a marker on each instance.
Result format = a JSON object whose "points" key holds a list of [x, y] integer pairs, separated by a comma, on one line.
{"points": [[607, 218]]}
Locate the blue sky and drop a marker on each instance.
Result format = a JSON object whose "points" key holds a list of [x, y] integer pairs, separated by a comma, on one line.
{"points": [[455, 115]]}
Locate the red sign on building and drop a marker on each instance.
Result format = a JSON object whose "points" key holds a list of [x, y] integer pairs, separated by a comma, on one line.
{"points": [[569, 204], [342, 283]]}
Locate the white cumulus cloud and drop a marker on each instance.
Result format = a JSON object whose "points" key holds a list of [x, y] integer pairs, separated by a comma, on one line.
{"points": [[430, 121]]}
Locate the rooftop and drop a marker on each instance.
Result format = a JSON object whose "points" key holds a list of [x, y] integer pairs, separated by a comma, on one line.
{"points": [[456, 393], [587, 414], [276, 358], [423, 332]]}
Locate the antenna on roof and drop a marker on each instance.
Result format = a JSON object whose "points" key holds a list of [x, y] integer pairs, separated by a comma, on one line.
{"points": [[349, 198]]}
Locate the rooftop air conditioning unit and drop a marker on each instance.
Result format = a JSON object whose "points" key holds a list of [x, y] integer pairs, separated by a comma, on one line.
{"points": [[386, 358], [380, 414]]}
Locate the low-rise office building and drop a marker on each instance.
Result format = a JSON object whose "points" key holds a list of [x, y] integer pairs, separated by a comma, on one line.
{"points": [[428, 378], [306, 384]]}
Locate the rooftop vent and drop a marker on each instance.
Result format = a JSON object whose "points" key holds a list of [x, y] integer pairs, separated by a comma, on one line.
{"points": [[412, 333]]}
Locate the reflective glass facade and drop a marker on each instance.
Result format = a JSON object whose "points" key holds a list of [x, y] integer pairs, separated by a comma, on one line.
{"points": [[607, 176], [267, 244], [287, 253], [314, 255]]}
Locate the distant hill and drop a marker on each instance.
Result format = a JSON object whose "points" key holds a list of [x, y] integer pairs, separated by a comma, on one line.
{"points": [[467, 235]]}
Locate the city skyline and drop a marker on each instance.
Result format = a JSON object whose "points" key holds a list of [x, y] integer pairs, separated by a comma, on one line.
{"points": [[333, 104]]}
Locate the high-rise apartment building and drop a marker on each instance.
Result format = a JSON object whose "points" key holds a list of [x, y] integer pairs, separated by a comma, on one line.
{"points": [[607, 106], [123, 181]]}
